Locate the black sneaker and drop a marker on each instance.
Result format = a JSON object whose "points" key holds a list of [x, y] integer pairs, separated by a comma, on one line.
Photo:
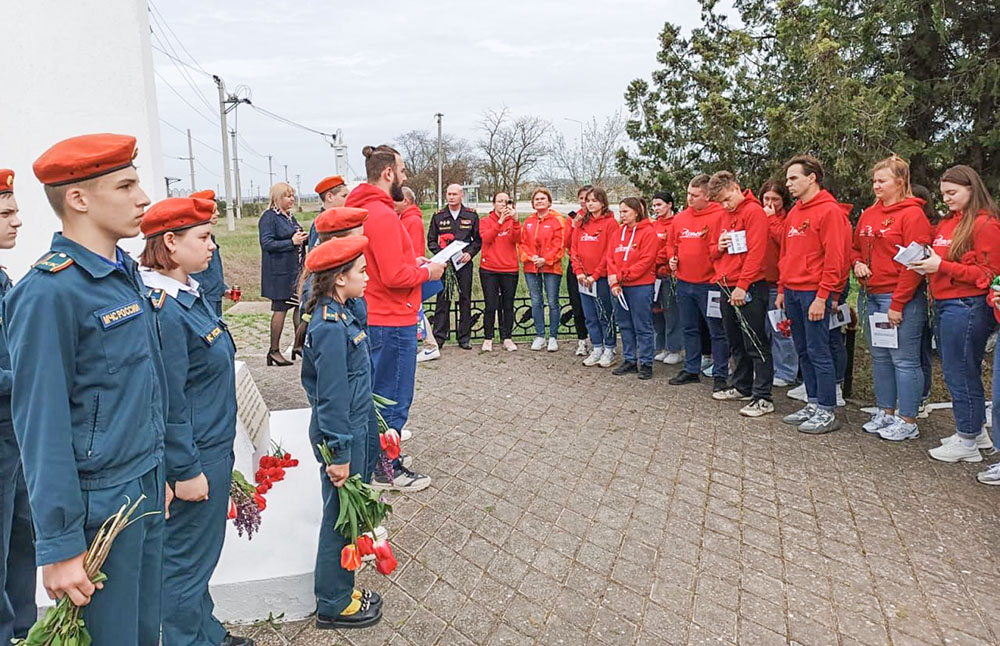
{"points": [[645, 371], [624, 368], [403, 480], [465, 345], [233, 640], [719, 384], [369, 615], [684, 377]]}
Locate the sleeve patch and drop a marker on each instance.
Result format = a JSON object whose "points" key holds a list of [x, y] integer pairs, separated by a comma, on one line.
{"points": [[118, 314]]}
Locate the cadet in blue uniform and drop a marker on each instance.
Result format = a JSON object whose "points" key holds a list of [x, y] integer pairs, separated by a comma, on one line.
{"points": [[212, 281], [89, 390], [17, 553], [332, 193], [336, 375], [201, 416]]}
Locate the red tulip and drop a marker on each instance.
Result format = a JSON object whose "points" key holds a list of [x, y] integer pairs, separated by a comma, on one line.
{"points": [[232, 510], [382, 549], [366, 546], [386, 566], [390, 443], [350, 560], [288, 456], [261, 503]]}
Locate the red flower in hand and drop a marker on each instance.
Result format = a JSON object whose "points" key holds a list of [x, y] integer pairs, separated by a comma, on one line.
{"points": [[232, 510], [366, 546], [785, 327], [385, 561], [261, 503], [350, 560], [390, 443], [445, 239]]}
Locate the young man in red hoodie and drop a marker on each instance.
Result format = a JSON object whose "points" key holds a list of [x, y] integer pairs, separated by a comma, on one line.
{"points": [[812, 269], [739, 270], [393, 296], [687, 255]]}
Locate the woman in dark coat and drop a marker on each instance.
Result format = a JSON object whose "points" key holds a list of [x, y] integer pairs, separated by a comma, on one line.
{"points": [[282, 246]]}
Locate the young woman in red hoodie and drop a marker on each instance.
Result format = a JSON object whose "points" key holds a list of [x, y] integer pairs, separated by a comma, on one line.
{"points": [[541, 250], [895, 220], [631, 274], [965, 258], [500, 232], [592, 237], [776, 201]]}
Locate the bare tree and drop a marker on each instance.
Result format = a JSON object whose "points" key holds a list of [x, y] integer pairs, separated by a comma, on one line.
{"points": [[512, 147], [592, 159], [419, 151]]}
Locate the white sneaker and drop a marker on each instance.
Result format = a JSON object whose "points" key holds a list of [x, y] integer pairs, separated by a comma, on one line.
{"points": [[757, 408], [956, 452], [706, 363], [538, 344], [594, 357], [983, 440], [707, 371], [509, 345], [729, 394], [991, 476], [924, 411], [660, 356], [488, 345], [879, 420], [673, 358], [581, 348], [899, 430], [553, 344], [800, 416], [778, 382], [799, 393], [607, 358], [840, 397], [405, 434], [428, 354]]}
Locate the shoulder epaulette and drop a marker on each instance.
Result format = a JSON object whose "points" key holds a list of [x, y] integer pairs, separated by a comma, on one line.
{"points": [[53, 262], [157, 297]]}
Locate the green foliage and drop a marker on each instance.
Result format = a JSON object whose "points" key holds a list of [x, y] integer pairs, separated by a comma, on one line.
{"points": [[848, 81]]}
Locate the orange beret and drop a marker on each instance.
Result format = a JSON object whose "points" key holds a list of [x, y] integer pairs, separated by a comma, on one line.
{"points": [[84, 157], [174, 214], [340, 218], [335, 252], [6, 181], [327, 183], [207, 194]]}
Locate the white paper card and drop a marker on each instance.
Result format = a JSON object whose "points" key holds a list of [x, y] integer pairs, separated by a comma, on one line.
{"points": [[884, 335], [589, 291], [914, 252], [737, 242], [656, 289], [457, 261], [446, 254], [714, 309], [776, 316], [840, 316]]}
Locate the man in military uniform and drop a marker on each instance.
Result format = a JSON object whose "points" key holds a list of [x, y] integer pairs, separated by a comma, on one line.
{"points": [[455, 222], [89, 391]]}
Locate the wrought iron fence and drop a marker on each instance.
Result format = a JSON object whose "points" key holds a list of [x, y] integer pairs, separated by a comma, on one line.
{"points": [[524, 325]]}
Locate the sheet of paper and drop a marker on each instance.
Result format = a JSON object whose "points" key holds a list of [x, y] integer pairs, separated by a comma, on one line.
{"points": [[840, 316], [737, 242], [914, 252], [446, 254], [884, 335], [656, 289], [622, 301], [776, 316], [589, 291], [457, 261], [714, 309]]}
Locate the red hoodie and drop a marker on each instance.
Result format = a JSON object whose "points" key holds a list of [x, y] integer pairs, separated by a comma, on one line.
{"points": [[640, 243], [741, 269], [813, 251], [663, 227], [499, 243], [545, 237], [880, 232], [394, 280], [689, 240], [971, 274], [413, 221], [591, 241], [775, 232]]}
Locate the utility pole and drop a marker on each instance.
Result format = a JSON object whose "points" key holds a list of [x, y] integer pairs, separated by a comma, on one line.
{"points": [[236, 173], [286, 173], [251, 190], [440, 161], [191, 161], [339, 153], [230, 220], [298, 190], [270, 173]]}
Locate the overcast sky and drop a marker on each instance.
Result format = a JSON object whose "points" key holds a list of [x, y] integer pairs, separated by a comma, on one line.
{"points": [[376, 70]]}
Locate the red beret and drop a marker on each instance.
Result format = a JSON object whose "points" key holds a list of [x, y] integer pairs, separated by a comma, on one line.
{"points": [[335, 252], [174, 214], [6, 181], [207, 194], [327, 183], [340, 218], [85, 157]]}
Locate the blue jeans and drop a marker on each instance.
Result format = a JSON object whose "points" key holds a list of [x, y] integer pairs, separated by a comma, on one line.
{"points": [[599, 315], [783, 353], [926, 355], [899, 381], [692, 301], [668, 333], [965, 325], [551, 282], [996, 400], [394, 366], [636, 324], [813, 343]]}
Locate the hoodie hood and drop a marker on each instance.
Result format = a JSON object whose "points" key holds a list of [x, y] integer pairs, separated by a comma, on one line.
{"points": [[366, 193]]}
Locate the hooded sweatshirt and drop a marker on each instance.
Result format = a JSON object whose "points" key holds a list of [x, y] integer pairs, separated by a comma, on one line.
{"points": [[499, 243], [689, 240], [775, 232], [394, 280], [632, 254], [813, 251], [591, 241], [881, 230], [545, 237], [662, 227], [971, 274], [413, 221], [742, 269]]}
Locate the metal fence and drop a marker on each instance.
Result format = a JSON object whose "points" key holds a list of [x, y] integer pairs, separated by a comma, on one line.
{"points": [[524, 325]]}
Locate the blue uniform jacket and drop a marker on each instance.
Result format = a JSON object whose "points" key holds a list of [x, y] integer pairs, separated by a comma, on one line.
{"points": [[358, 306], [212, 281], [279, 258], [336, 375], [201, 383], [89, 389], [5, 373]]}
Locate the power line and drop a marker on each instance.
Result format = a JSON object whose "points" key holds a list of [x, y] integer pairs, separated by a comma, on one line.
{"points": [[187, 77], [278, 117], [201, 114], [210, 147], [165, 23]]}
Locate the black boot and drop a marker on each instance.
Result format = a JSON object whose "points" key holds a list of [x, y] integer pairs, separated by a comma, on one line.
{"points": [[645, 371], [624, 368], [684, 377]]}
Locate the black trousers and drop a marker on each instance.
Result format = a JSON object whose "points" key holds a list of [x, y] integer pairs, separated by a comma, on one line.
{"points": [[442, 310], [749, 344], [579, 320], [499, 289]]}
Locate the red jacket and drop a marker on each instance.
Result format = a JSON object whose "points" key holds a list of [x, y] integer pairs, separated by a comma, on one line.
{"points": [[689, 241], [663, 227], [640, 243], [545, 237], [813, 251], [394, 280], [413, 221], [775, 232], [499, 243], [880, 232], [591, 241], [971, 274], [741, 269]]}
